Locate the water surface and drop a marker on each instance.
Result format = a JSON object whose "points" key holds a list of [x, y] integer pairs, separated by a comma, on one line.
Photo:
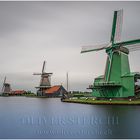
{"points": [[22, 117]]}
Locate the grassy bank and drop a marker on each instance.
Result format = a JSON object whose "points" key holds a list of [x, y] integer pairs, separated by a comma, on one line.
{"points": [[105, 102]]}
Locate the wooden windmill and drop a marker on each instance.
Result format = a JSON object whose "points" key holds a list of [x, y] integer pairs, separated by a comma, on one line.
{"points": [[45, 82], [117, 81], [6, 88]]}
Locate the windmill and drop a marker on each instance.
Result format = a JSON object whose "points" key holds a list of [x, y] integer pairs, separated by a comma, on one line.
{"points": [[117, 80], [6, 89], [45, 82]]}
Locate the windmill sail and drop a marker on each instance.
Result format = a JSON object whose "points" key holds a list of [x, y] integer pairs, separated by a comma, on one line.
{"points": [[43, 68], [115, 35], [132, 45], [3, 84], [117, 26], [119, 23], [94, 48]]}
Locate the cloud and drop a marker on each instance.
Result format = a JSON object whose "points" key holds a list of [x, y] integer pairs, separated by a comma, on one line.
{"points": [[31, 32]]}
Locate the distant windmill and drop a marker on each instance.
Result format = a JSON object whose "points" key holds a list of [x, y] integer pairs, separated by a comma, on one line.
{"points": [[6, 88], [45, 81]]}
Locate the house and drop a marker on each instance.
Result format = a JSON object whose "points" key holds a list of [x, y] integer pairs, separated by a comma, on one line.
{"points": [[17, 92], [55, 91]]}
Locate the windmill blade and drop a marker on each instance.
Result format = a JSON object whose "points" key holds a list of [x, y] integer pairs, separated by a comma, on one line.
{"points": [[3, 84], [47, 73], [94, 48], [37, 73], [43, 68], [4, 80], [132, 45], [119, 23], [117, 26]]}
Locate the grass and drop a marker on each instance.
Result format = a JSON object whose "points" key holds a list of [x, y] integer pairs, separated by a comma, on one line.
{"points": [[107, 102]]}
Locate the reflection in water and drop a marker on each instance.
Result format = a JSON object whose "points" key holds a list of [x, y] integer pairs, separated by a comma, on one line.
{"points": [[23, 117]]}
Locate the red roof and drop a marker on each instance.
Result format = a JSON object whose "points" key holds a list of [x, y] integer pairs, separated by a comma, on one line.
{"points": [[53, 89], [18, 92]]}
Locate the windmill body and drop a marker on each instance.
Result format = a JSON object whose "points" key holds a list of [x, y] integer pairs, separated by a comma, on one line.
{"points": [[6, 88], [45, 82], [117, 81]]}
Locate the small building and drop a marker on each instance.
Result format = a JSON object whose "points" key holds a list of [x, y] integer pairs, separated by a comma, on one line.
{"points": [[55, 91], [17, 92]]}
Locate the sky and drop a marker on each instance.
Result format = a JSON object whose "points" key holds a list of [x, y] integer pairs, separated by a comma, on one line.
{"points": [[31, 32]]}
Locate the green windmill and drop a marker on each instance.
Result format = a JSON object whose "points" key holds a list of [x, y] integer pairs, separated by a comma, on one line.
{"points": [[117, 81]]}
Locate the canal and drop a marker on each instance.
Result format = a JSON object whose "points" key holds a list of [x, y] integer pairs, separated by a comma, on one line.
{"points": [[24, 117]]}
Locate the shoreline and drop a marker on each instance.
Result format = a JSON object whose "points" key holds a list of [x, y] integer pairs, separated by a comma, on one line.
{"points": [[32, 96], [90, 101], [103, 102]]}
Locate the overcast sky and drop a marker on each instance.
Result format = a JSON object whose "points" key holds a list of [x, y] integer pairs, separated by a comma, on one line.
{"points": [[31, 32]]}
